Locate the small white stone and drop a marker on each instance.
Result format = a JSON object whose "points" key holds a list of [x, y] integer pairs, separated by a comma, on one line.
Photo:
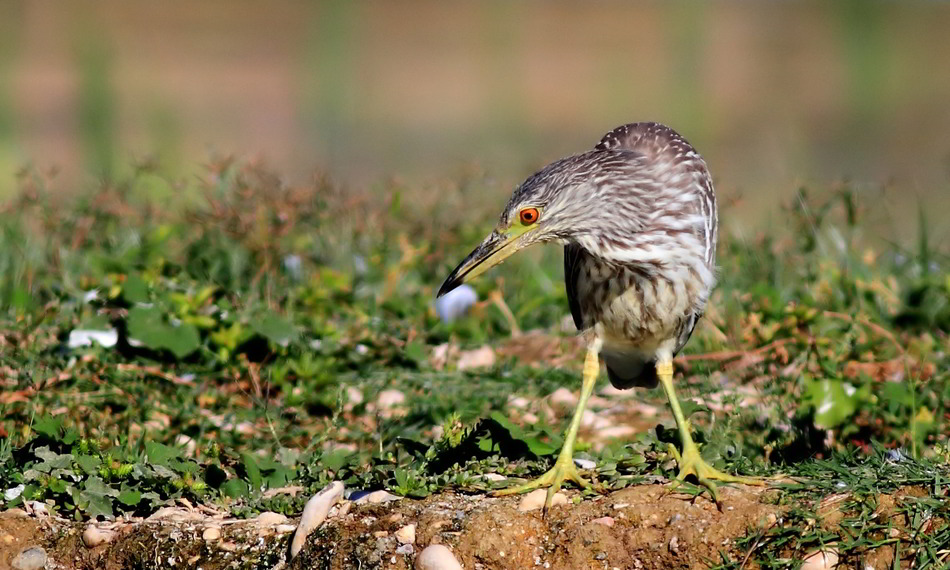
{"points": [[83, 337], [314, 513], [211, 534], [407, 534], [519, 402], [93, 536], [606, 521], [354, 395], [493, 477], [564, 398], [674, 544], [455, 303], [270, 518], [535, 500], [188, 443], [584, 463], [284, 528], [479, 358], [614, 432], [390, 399], [821, 560], [377, 497], [436, 557], [39, 509]]}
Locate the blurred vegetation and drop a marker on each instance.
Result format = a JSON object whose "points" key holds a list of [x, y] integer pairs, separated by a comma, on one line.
{"points": [[203, 338]]}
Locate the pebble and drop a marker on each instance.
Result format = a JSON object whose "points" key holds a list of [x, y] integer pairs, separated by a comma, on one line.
{"points": [[354, 395], [493, 477], [93, 536], [270, 518], [37, 508], [674, 544], [614, 432], [34, 558], [606, 521], [563, 397], [535, 500], [436, 557], [821, 560], [284, 528], [455, 303], [211, 533], [314, 514], [483, 357], [407, 534], [376, 497], [519, 402], [188, 443], [585, 463], [390, 399]]}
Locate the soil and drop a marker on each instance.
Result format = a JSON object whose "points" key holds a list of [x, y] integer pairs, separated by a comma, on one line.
{"points": [[643, 527]]}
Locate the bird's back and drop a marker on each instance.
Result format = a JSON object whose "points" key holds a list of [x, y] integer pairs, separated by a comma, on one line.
{"points": [[648, 297]]}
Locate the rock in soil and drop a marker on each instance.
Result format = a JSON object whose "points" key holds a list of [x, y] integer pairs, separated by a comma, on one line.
{"points": [[437, 557], [33, 558], [314, 513]]}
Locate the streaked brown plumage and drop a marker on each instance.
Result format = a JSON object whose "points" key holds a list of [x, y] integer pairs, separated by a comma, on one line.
{"points": [[659, 293]]}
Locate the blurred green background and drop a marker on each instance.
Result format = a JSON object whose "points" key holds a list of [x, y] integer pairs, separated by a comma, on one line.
{"points": [[775, 95]]}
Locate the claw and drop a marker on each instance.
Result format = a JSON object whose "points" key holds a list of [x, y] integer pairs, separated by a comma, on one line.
{"points": [[563, 470], [692, 463]]}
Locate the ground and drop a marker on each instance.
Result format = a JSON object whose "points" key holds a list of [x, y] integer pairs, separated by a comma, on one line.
{"points": [[643, 527]]}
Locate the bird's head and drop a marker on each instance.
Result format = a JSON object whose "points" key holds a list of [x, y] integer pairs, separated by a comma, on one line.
{"points": [[561, 202]]}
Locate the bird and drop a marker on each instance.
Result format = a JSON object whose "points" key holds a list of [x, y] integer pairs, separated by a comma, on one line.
{"points": [[638, 220]]}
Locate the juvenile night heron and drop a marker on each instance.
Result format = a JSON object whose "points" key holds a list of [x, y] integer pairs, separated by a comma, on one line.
{"points": [[637, 217]]}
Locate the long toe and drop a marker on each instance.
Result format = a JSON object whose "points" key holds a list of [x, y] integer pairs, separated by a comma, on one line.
{"points": [[691, 463], [552, 479]]}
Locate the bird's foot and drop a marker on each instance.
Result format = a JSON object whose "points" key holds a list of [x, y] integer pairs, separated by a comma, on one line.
{"points": [[692, 463], [564, 470]]}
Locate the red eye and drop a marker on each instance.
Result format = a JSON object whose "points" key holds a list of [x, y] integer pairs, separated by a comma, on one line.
{"points": [[528, 216]]}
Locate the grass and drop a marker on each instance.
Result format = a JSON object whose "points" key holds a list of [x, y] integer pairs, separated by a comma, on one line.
{"points": [[247, 329]]}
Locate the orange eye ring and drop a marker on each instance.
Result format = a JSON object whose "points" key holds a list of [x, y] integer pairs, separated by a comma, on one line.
{"points": [[528, 216]]}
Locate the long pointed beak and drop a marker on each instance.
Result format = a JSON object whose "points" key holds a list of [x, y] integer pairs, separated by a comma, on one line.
{"points": [[493, 250]]}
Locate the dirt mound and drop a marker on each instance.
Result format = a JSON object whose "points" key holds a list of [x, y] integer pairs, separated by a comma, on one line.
{"points": [[640, 527]]}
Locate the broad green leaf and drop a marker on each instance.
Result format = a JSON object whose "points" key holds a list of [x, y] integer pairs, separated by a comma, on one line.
{"points": [[275, 328], [89, 463], [134, 290], [252, 470], [129, 497], [160, 454], [833, 401], [49, 426], [235, 488], [97, 497], [148, 326]]}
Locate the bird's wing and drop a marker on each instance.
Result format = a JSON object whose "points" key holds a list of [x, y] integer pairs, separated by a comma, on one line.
{"points": [[687, 331], [572, 266]]}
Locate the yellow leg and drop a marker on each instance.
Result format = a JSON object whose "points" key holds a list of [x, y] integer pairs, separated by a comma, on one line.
{"points": [[564, 468], [690, 461]]}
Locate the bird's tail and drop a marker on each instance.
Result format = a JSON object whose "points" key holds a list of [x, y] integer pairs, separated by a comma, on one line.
{"points": [[629, 369]]}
